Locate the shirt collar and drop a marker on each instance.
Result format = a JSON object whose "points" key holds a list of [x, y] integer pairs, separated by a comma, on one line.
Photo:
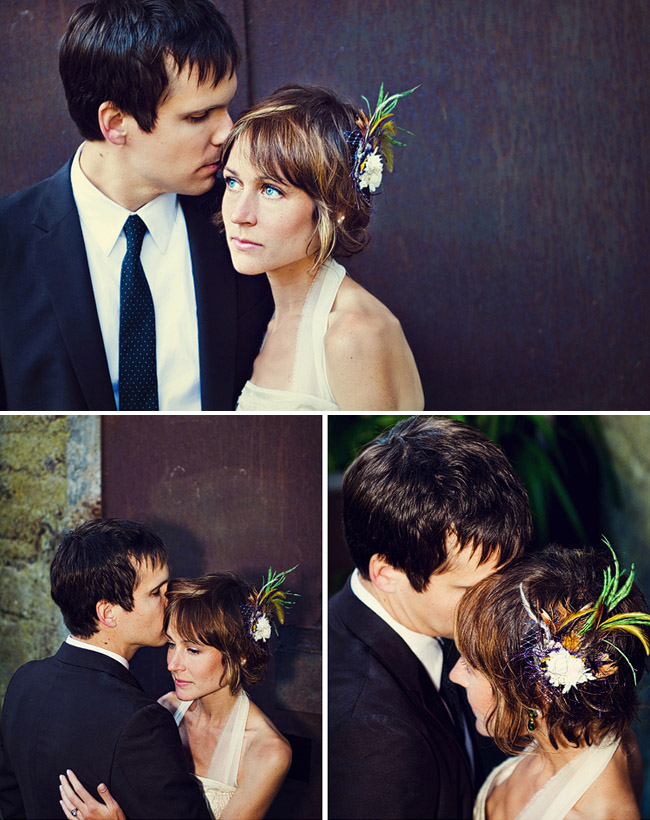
{"points": [[83, 645], [105, 219], [425, 648]]}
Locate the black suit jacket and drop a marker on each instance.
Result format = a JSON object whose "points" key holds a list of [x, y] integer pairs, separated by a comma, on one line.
{"points": [[51, 349], [84, 711], [393, 750]]}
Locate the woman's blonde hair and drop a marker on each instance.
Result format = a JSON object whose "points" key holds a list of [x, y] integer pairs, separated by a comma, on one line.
{"points": [[299, 135]]}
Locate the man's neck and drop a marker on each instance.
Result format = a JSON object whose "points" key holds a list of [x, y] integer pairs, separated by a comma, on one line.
{"points": [[101, 165], [107, 643]]}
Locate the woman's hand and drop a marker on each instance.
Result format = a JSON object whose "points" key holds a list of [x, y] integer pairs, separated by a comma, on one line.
{"points": [[79, 804]]}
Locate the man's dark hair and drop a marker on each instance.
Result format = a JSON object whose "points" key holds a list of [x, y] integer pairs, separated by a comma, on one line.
{"points": [[424, 480], [119, 50], [100, 561]]}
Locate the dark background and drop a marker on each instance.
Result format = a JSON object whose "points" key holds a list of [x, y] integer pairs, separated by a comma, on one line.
{"points": [[513, 240], [241, 493]]}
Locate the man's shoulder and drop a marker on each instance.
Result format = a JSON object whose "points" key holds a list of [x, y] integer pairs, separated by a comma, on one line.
{"points": [[20, 208], [33, 192]]}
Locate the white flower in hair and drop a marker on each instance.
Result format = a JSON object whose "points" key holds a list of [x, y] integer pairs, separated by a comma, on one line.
{"points": [[372, 171], [562, 668], [261, 629]]}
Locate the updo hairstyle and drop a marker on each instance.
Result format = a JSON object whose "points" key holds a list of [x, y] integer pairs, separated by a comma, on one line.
{"points": [[210, 610], [493, 631], [297, 135]]}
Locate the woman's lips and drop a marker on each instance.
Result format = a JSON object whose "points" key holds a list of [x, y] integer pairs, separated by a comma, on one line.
{"points": [[244, 244], [182, 682]]}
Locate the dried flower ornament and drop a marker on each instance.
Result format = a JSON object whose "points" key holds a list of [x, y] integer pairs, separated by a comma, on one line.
{"points": [[558, 652], [269, 601], [372, 141]]}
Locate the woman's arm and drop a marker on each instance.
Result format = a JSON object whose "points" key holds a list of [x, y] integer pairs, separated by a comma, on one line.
{"points": [[261, 773]]}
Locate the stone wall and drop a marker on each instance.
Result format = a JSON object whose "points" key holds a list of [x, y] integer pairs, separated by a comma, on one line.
{"points": [[49, 482]]}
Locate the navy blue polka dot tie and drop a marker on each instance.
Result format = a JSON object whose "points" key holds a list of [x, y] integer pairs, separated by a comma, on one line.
{"points": [[138, 383]]}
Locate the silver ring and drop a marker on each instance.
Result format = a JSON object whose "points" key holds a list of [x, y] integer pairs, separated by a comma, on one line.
{"points": [[73, 812]]}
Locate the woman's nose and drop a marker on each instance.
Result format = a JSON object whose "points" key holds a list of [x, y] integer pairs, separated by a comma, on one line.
{"points": [[242, 211], [456, 674]]}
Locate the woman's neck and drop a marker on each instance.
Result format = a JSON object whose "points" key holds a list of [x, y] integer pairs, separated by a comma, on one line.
{"points": [[289, 288], [215, 707], [552, 759]]}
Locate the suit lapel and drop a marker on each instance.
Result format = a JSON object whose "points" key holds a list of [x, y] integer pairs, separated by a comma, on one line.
{"points": [[60, 255], [401, 663], [216, 304]]}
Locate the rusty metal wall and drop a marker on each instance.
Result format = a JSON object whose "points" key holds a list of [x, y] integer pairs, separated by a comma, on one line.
{"points": [[241, 493], [513, 241]]}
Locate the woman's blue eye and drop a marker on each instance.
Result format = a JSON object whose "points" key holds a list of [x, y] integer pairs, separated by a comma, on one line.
{"points": [[230, 183], [271, 192]]}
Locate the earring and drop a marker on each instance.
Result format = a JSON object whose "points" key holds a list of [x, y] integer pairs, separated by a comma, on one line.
{"points": [[532, 714], [339, 220]]}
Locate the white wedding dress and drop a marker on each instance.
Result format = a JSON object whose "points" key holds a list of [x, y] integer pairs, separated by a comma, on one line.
{"points": [[309, 386], [563, 790], [221, 783]]}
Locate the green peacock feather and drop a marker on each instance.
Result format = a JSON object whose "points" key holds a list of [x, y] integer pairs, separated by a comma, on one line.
{"points": [[378, 128], [270, 596]]}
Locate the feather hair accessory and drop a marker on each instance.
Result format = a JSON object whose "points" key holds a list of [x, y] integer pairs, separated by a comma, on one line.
{"points": [[373, 140], [266, 603], [559, 652]]}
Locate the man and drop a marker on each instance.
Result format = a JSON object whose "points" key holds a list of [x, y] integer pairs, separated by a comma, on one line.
{"points": [[430, 508], [82, 708], [116, 292]]}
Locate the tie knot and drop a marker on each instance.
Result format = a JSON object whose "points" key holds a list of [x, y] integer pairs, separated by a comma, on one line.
{"points": [[134, 230]]}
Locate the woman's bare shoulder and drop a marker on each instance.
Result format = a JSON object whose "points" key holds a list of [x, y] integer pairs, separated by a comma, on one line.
{"points": [[356, 311], [266, 741], [369, 362], [361, 326], [616, 792]]}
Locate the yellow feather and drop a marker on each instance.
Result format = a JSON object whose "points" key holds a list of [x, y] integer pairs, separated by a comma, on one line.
{"points": [[633, 630]]}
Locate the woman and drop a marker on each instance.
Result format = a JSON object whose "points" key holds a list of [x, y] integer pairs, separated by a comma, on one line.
{"points": [[217, 627], [299, 168], [550, 658]]}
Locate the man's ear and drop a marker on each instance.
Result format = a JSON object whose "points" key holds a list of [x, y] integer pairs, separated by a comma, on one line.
{"points": [[383, 575], [112, 123], [106, 614]]}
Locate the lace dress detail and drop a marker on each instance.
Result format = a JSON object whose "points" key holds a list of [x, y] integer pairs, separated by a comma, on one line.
{"points": [[221, 783], [556, 799], [309, 386]]}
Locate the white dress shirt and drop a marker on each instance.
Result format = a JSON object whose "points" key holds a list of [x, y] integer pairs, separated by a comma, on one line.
{"points": [[83, 645], [167, 264]]}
